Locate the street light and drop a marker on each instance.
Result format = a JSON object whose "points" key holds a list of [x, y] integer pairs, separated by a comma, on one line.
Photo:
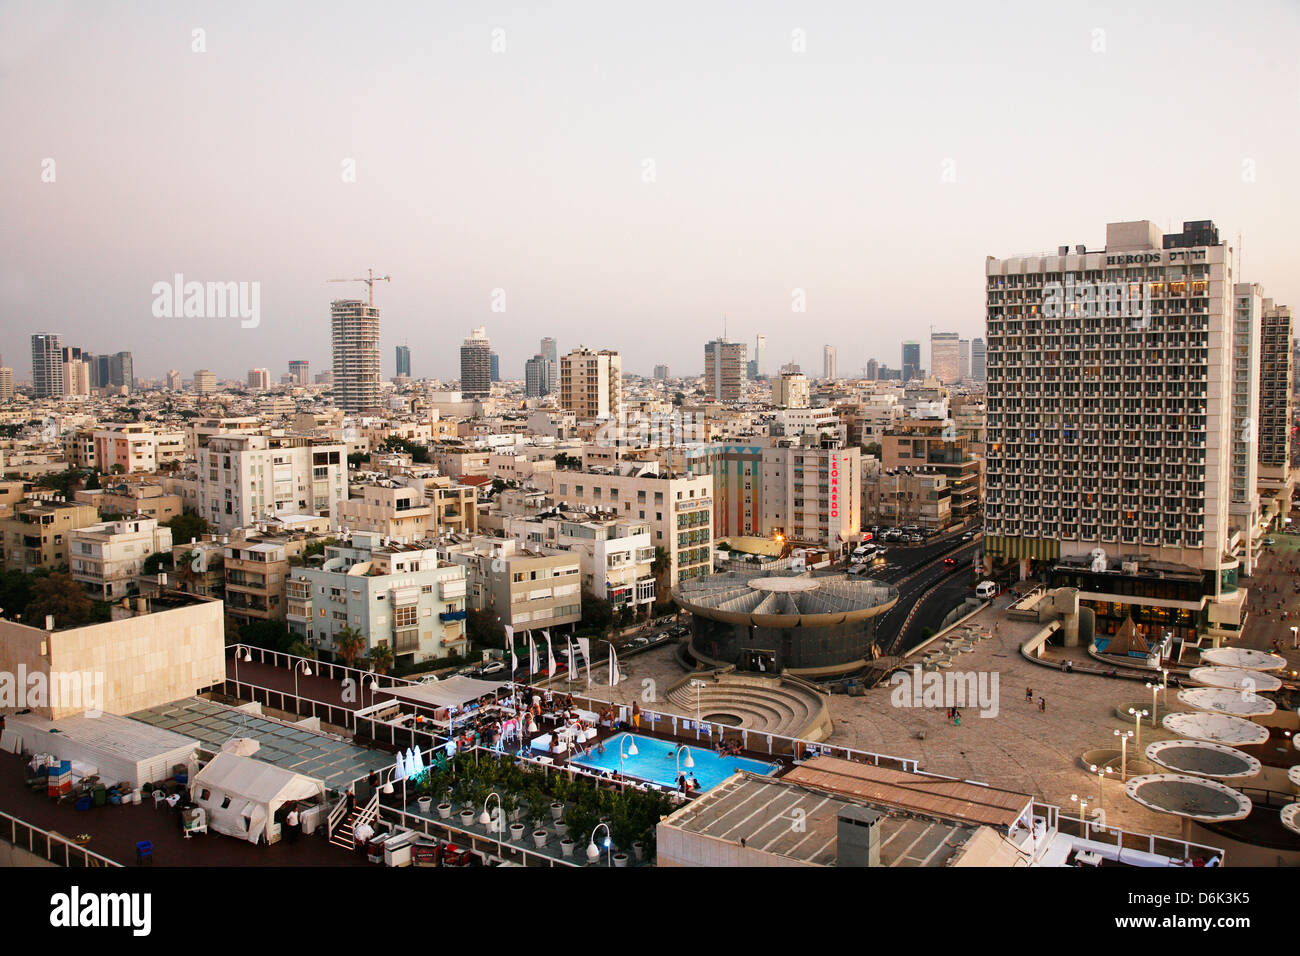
{"points": [[690, 761], [1123, 736], [305, 667], [1101, 773], [632, 752], [493, 823], [1155, 689], [1083, 807], [593, 853], [697, 684], [1137, 724]]}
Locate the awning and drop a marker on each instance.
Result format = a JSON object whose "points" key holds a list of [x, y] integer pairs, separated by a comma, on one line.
{"points": [[452, 692]]}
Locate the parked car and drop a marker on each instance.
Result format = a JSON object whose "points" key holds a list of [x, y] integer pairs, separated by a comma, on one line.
{"points": [[950, 562], [492, 667], [427, 679], [968, 535]]}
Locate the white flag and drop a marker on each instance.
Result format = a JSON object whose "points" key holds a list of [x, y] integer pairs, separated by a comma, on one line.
{"points": [[568, 644], [614, 675], [510, 639], [550, 654], [532, 655], [584, 645]]}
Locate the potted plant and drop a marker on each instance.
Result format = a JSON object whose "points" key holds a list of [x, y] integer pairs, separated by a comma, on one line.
{"points": [[566, 847], [510, 804], [620, 859], [638, 850], [516, 832], [444, 811], [561, 828], [539, 837], [425, 803]]}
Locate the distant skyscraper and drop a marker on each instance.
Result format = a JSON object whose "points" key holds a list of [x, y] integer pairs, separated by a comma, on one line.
{"points": [[47, 365], [300, 370], [945, 356], [724, 370], [978, 360], [175, 381], [259, 379], [829, 370], [759, 361], [911, 360], [548, 351], [357, 366], [873, 370], [494, 367], [539, 377], [205, 383], [6, 384], [76, 372], [403, 361], [476, 365], [121, 371], [963, 360], [1275, 383], [661, 372]]}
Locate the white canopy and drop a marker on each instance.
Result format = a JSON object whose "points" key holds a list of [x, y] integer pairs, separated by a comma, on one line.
{"points": [[242, 794], [452, 692], [1235, 678], [1243, 657]]}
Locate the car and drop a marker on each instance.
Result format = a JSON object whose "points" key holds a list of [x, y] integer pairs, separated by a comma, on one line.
{"points": [[1269, 542], [968, 535], [639, 642], [427, 679], [950, 562], [492, 667], [465, 671]]}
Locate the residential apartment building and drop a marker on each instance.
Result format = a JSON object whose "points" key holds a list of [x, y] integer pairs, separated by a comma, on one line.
{"points": [[246, 478], [830, 370], [522, 588], [724, 370], [679, 510], [255, 571], [37, 533], [108, 558], [476, 366], [978, 360], [539, 377], [1243, 481], [1110, 435], [1276, 406], [945, 356], [387, 508], [205, 382], [128, 448], [811, 492], [591, 384], [790, 390], [47, 365], [616, 554], [354, 340], [937, 444], [399, 595], [907, 496]]}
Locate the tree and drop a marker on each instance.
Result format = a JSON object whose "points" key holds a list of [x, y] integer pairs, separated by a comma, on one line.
{"points": [[188, 526], [270, 634], [158, 561], [484, 630], [381, 658], [349, 643], [597, 613], [566, 462], [58, 595], [872, 449]]}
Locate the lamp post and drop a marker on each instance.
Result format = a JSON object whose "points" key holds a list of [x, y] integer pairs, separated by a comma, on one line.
{"points": [[1295, 637], [1101, 773], [1123, 736], [305, 667], [1083, 809], [697, 684], [632, 752], [1137, 724], [492, 823], [1155, 703], [1164, 685], [593, 852], [690, 761]]}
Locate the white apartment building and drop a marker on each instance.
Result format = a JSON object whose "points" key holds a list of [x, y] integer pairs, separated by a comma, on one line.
{"points": [[108, 558], [616, 553], [678, 510], [524, 588], [397, 595], [246, 478], [591, 383], [134, 448], [1115, 431], [386, 508], [354, 339]]}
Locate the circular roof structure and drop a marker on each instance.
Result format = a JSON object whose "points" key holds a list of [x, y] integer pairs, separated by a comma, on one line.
{"points": [[783, 599], [1218, 728], [1193, 797], [1244, 658], [1202, 758], [1235, 678], [1291, 817], [1223, 701], [1294, 775]]}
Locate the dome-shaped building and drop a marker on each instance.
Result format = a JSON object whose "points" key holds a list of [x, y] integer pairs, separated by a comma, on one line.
{"points": [[772, 621]]}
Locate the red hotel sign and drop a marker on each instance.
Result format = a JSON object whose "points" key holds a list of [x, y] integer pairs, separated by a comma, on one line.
{"points": [[835, 486]]}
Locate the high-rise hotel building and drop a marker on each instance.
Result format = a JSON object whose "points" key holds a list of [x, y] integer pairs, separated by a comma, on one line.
{"points": [[725, 366], [476, 366], [1276, 408], [1112, 437], [357, 369]]}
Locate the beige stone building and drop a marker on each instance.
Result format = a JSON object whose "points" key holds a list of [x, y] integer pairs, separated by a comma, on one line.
{"points": [[36, 535], [591, 383]]}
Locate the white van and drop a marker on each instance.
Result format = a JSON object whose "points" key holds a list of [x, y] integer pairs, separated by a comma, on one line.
{"points": [[986, 590]]}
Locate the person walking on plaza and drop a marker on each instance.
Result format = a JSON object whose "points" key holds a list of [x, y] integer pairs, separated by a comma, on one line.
{"points": [[1042, 704], [1029, 694]]}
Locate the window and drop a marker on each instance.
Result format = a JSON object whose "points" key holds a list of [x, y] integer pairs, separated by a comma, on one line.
{"points": [[406, 616]]}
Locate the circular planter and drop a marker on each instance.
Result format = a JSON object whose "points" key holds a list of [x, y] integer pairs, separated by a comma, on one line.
{"points": [[561, 828], [425, 804], [539, 838], [467, 818], [516, 832], [557, 810], [566, 847], [620, 859], [444, 811], [638, 850]]}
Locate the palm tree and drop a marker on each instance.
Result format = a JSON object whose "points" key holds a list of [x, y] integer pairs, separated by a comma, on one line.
{"points": [[381, 658], [348, 644]]}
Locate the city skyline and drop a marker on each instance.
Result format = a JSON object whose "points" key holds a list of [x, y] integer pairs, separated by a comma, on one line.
{"points": [[748, 117]]}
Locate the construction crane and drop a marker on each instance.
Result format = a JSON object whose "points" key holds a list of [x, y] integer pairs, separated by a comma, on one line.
{"points": [[370, 279]]}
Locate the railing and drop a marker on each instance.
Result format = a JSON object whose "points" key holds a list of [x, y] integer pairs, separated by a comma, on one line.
{"points": [[337, 813], [1173, 847], [55, 848]]}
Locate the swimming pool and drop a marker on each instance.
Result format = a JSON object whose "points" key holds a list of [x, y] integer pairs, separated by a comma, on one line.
{"points": [[655, 762]]}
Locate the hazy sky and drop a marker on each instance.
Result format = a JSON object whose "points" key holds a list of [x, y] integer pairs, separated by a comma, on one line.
{"points": [[527, 169]]}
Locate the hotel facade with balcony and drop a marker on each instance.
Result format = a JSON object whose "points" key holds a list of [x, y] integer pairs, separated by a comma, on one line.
{"points": [[1110, 435]]}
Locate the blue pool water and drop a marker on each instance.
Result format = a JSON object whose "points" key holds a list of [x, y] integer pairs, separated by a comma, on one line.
{"points": [[655, 762]]}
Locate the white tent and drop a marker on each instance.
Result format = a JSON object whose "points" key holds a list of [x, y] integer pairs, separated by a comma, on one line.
{"points": [[452, 692], [118, 749], [242, 794]]}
